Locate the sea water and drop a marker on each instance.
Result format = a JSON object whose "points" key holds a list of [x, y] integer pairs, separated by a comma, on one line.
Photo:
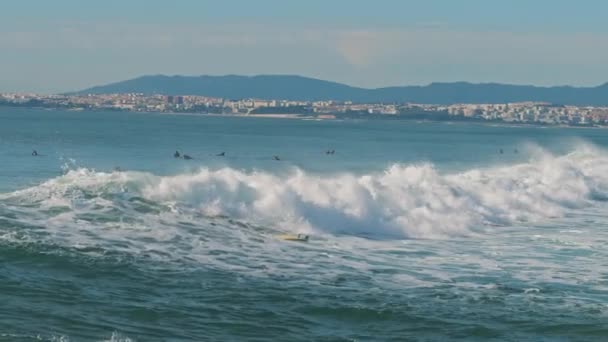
{"points": [[418, 231]]}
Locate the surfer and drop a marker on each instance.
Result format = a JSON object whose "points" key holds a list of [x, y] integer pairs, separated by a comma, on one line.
{"points": [[187, 157], [276, 158], [34, 153], [176, 154], [221, 154]]}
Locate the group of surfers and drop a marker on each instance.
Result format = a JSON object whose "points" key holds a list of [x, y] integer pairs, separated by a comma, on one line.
{"points": [[179, 155]]}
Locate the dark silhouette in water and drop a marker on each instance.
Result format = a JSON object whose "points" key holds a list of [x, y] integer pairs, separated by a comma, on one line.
{"points": [[500, 151], [515, 151], [34, 153], [330, 152], [276, 158], [221, 154], [176, 154], [187, 157]]}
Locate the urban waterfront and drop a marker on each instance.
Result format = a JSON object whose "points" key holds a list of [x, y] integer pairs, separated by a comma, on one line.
{"points": [[520, 112]]}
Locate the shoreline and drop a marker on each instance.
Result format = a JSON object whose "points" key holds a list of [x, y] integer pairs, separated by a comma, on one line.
{"points": [[289, 116]]}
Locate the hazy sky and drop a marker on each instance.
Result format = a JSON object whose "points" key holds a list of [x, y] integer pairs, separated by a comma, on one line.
{"points": [[61, 45]]}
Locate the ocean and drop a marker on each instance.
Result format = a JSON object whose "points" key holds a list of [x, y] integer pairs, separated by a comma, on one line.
{"points": [[418, 231]]}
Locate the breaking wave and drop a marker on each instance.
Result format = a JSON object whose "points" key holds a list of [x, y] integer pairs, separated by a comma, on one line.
{"points": [[403, 201]]}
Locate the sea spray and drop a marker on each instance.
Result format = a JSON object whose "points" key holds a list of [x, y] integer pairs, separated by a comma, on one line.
{"points": [[404, 201]]}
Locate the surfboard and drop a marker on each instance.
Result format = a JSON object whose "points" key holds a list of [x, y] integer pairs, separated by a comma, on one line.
{"points": [[294, 237]]}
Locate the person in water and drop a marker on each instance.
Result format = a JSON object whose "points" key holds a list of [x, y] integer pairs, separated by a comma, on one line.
{"points": [[176, 154], [276, 158], [34, 153], [500, 151], [221, 154], [187, 157]]}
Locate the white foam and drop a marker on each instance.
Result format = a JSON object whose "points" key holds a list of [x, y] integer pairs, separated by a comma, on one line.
{"points": [[117, 337], [404, 201], [212, 218]]}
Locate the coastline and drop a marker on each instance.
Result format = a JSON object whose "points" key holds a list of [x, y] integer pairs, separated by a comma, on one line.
{"points": [[320, 117]]}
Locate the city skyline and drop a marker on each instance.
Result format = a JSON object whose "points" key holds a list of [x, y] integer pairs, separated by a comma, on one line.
{"points": [[68, 45], [526, 112]]}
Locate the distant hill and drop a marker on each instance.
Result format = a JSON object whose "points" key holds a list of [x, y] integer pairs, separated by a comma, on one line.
{"points": [[309, 89]]}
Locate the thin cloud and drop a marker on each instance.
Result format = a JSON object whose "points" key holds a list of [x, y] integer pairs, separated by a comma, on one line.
{"points": [[358, 47], [366, 57]]}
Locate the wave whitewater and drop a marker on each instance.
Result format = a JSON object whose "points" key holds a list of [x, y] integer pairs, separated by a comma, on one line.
{"points": [[403, 201]]}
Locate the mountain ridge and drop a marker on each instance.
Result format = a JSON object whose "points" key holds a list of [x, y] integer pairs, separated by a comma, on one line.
{"points": [[295, 87]]}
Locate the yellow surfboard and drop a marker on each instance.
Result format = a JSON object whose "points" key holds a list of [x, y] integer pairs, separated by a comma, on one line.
{"points": [[294, 237]]}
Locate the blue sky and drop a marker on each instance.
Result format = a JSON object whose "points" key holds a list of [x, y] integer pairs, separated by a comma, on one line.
{"points": [[60, 45]]}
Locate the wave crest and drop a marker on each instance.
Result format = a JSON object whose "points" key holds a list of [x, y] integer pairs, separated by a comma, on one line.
{"points": [[412, 201]]}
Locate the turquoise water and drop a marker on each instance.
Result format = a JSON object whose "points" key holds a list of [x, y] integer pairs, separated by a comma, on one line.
{"points": [[418, 231]]}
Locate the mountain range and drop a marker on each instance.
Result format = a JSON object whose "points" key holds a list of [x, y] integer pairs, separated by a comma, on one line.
{"points": [[288, 87]]}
